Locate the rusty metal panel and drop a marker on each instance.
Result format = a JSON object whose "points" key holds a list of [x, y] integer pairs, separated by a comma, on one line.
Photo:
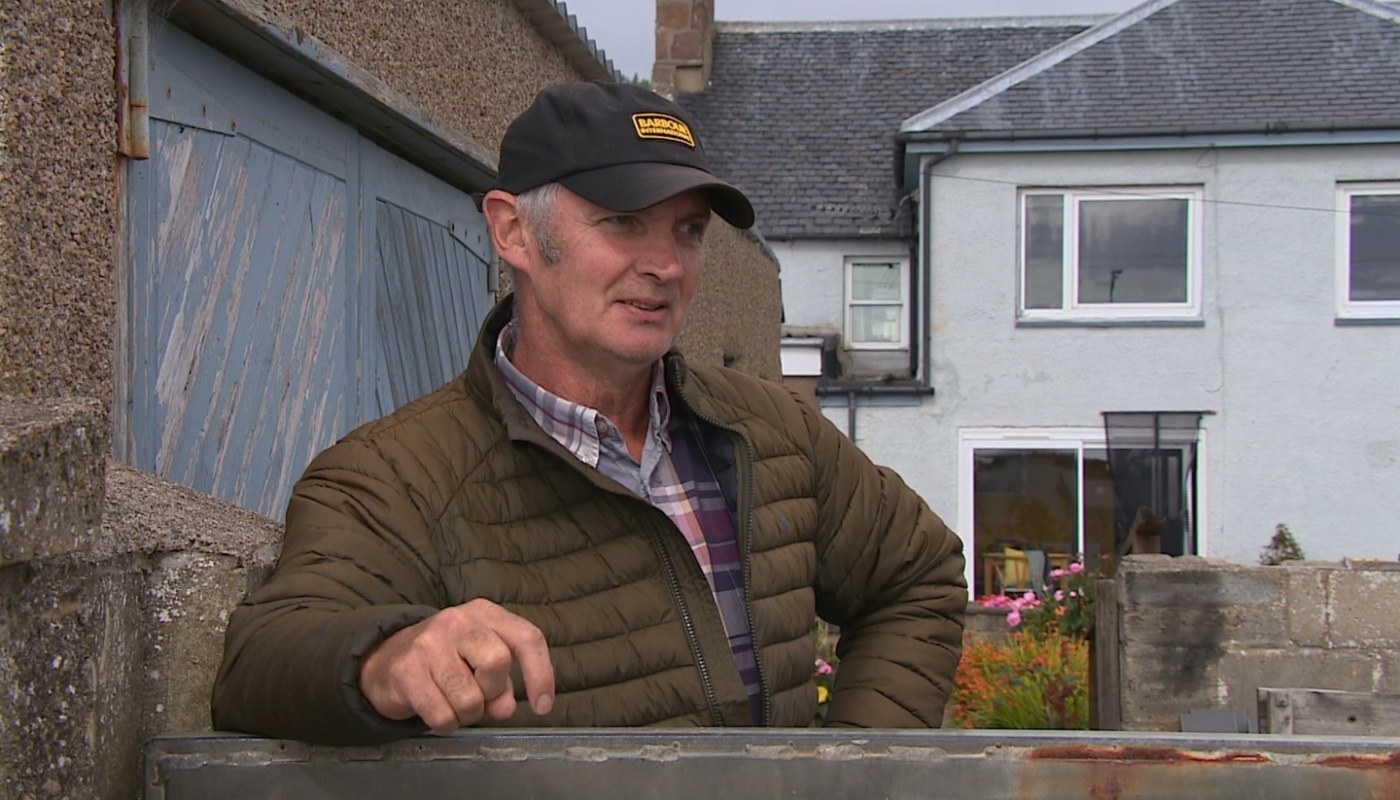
{"points": [[832, 765]]}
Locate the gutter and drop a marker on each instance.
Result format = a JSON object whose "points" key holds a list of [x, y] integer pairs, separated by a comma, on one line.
{"points": [[1175, 138], [852, 390], [553, 20], [1275, 128]]}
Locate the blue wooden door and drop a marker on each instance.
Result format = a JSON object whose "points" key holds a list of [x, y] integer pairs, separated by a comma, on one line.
{"points": [[429, 280], [286, 280]]}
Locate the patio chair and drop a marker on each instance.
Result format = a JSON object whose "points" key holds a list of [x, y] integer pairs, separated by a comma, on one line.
{"points": [[1024, 571]]}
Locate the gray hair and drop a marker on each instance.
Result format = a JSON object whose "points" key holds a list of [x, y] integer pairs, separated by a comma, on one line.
{"points": [[536, 207]]}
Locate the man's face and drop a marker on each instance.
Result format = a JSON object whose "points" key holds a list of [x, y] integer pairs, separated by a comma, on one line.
{"points": [[615, 299]]}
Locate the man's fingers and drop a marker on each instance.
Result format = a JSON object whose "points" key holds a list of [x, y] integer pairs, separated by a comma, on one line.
{"points": [[532, 657], [460, 689], [455, 667], [502, 706], [433, 707]]}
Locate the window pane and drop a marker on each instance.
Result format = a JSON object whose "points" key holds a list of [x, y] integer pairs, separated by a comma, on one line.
{"points": [[1098, 511], [1133, 251], [876, 282], [876, 324], [1045, 250], [1375, 247], [1024, 499]]}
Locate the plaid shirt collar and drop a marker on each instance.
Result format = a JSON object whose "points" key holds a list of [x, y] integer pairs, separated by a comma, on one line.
{"points": [[578, 428]]}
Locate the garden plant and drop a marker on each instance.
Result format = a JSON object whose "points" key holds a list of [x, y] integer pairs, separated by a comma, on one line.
{"points": [[1038, 677]]}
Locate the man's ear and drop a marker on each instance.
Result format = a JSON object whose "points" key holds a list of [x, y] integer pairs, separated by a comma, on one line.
{"points": [[507, 228]]}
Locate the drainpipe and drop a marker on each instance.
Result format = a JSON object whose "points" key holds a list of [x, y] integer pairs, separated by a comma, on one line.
{"points": [[925, 221], [924, 384], [851, 415]]}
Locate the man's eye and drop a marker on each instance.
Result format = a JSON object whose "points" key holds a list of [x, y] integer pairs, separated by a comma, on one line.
{"points": [[622, 220]]}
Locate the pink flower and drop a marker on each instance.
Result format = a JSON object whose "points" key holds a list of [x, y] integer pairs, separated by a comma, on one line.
{"points": [[1060, 595], [823, 668], [1013, 618], [1075, 568], [1027, 600], [1056, 574]]}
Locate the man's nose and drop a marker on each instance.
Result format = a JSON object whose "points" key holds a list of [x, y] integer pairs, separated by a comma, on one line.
{"points": [[663, 256]]}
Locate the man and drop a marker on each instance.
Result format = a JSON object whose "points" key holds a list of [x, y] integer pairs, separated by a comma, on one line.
{"points": [[581, 529]]}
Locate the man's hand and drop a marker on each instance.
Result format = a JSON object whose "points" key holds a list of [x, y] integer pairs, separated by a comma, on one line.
{"points": [[454, 667]]}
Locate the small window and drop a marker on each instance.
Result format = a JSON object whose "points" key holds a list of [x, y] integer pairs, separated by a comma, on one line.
{"points": [[1368, 272], [1110, 255], [877, 304]]}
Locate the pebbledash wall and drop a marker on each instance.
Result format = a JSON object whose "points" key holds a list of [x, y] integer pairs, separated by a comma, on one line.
{"points": [[115, 585]]}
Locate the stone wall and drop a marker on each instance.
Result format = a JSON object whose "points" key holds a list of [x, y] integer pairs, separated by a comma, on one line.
{"points": [[1196, 633]]}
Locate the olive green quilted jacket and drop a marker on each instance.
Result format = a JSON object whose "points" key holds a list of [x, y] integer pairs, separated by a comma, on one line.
{"points": [[460, 495]]}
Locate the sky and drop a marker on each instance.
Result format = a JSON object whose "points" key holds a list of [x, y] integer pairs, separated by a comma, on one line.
{"points": [[623, 29]]}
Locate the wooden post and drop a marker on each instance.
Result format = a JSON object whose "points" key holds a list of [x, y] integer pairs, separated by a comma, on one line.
{"points": [[1105, 700]]}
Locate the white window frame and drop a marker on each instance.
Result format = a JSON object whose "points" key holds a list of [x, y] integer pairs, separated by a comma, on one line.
{"points": [[1346, 307], [850, 303], [1071, 309], [971, 440]]}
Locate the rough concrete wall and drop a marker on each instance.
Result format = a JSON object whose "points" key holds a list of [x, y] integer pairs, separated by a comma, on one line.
{"points": [[472, 66], [736, 316], [57, 205], [101, 650], [1198, 633], [52, 456]]}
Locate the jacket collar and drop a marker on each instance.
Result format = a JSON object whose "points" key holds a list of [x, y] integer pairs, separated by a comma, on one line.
{"points": [[487, 383]]}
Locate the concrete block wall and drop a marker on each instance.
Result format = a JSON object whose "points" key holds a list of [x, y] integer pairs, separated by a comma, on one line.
{"points": [[1196, 633]]}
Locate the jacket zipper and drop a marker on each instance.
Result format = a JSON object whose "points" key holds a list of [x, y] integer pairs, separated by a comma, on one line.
{"points": [[746, 513], [764, 696], [706, 682]]}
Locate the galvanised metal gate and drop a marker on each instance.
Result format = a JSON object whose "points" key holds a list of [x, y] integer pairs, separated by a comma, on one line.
{"points": [[757, 763]]}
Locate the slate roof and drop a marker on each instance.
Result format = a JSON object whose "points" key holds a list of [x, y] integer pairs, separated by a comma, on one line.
{"points": [[804, 117], [1199, 65]]}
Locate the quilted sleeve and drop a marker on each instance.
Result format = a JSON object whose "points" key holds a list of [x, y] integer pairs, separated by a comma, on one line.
{"points": [[890, 574], [355, 567]]}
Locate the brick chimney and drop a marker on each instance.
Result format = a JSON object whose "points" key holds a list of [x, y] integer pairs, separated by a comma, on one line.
{"points": [[685, 33]]}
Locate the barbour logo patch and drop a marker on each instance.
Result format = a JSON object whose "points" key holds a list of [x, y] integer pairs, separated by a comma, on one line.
{"points": [[662, 126]]}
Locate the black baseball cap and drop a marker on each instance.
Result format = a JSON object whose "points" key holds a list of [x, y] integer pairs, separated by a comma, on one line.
{"points": [[617, 145]]}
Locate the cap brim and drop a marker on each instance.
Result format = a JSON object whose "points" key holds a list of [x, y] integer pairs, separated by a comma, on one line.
{"points": [[639, 185]]}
